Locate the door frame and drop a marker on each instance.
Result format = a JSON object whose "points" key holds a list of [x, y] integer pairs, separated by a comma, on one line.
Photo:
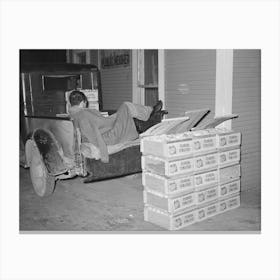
{"points": [[138, 93]]}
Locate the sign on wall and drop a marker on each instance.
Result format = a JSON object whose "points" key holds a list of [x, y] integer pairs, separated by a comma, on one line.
{"points": [[115, 58]]}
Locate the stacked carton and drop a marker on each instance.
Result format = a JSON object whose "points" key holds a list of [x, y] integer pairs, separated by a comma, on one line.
{"points": [[189, 177]]}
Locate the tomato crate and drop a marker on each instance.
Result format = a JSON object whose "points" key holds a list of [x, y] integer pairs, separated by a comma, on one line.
{"points": [[167, 186], [228, 140], [165, 167], [229, 188], [167, 220], [167, 146], [229, 203], [206, 179], [205, 196], [207, 211], [229, 157], [179, 145], [229, 173], [170, 204]]}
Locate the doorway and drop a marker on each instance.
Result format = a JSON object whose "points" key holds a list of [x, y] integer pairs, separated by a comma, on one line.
{"points": [[146, 76]]}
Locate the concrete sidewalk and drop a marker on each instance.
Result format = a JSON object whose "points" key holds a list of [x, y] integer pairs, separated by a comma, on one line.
{"points": [[115, 205]]}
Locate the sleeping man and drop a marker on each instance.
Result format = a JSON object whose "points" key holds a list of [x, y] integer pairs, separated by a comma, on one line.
{"points": [[125, 125]]}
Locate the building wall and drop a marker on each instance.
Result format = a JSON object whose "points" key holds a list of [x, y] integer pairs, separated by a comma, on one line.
{"points": [[116, 86], [190, 77], [247, 104]]}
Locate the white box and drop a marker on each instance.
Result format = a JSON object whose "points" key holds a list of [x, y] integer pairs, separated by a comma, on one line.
{"points": [[166, 185], [171, 205], [229, 188], [207, 211], [229, 173], [205, 196], [206, 179], [167, 220], [229, 157], [229, 140], [229, 203], [166, 168]]}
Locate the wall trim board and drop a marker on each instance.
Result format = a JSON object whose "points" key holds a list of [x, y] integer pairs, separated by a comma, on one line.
{"points": [[224, 73], [161, 76]]}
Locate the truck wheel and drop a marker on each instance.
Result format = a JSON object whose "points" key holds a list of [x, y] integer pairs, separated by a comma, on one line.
{"points": [[43, 183]]}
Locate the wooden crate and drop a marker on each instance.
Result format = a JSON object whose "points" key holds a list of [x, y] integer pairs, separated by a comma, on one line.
{"points": [[229, 157], [167, 168], [179, 145], [229, 173], [170, 204], [205, 196], [229, 188], [167, 186], [229, 203], [167, 220], [167, 146]]}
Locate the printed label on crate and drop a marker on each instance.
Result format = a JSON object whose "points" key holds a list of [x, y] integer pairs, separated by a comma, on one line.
{"points": [[229, 140], [179, 148], [180, 166], [205, 162], [229, 204], [228, 157], [204, 144], [206, 195], [206, 178], [229, 188], [182, 202], [184, 220], [180, 184], [208, 211]]}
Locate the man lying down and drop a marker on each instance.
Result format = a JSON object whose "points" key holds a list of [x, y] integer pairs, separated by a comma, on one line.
{"points": [[125, 125]]}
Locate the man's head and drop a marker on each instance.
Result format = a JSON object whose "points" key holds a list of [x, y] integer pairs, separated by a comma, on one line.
{"points": [[77, 98]]}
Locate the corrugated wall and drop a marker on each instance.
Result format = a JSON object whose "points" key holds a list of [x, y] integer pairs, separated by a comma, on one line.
{"points": [[116, 86], [190, 78], [247, 104]]}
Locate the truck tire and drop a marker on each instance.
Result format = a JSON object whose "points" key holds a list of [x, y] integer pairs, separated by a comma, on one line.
{"points": [[43, 183]]}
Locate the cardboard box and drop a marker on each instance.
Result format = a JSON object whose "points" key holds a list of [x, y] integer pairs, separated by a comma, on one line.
{"points": [[229, 188], [205, 196], [227, 174], [171, 205], [167, 186], [167, 220]]}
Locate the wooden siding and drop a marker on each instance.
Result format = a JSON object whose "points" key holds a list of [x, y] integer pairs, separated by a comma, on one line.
{"points": [[190, 78], [116, 86], [247, 104]]}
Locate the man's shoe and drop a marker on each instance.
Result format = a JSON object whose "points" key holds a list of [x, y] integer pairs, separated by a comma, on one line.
{"points": [[157, 108]]}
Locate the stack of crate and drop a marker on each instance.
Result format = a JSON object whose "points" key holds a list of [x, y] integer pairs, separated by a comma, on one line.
{"points": [[191, 176]]}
